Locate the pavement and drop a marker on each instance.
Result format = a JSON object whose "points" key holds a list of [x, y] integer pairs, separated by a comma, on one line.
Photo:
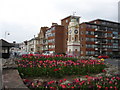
{"points": [[114, 62], [10, 76], [12, 80], [1, 84]]}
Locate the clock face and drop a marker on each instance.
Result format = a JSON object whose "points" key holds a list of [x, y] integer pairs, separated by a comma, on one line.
{"points": [[76, 31]]}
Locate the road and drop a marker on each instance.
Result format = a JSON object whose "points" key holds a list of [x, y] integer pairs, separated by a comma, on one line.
{"points": [[114, 62]]}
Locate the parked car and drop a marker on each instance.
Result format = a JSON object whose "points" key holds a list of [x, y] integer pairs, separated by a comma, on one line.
{"points": [[103, 56], [48, 53], [23, 53], [34, 53]]}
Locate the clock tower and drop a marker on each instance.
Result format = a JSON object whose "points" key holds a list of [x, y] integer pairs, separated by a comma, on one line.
{"points": [[73, 43]]}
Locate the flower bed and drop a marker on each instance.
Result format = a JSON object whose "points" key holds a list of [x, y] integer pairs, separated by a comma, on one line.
{"points": [[91, 82], [57, 66]]}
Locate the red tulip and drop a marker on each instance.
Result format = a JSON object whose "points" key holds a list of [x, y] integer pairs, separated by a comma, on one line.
{"points": [[106, 88], [107, 79], [26, 80], [103, 70], [64, 79], [68, 84], [63, 86], [72, 87], [111, 87], [56, 69], [110, 82], [86, 76], [99, 86], [61, 81]]}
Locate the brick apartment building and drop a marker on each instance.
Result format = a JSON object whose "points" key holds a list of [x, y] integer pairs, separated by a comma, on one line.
{"points": [[100, 37], [52, 39], [41, 39], [86, 39]]}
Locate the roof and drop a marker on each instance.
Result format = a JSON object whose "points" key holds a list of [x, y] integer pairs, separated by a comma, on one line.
{"points": [[66, 17], [105, 21], [90, 22], [4, 43]]}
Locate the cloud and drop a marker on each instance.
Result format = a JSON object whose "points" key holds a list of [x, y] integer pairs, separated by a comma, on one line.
{"points": [[18, 32], [89, 9], [23, 18]]}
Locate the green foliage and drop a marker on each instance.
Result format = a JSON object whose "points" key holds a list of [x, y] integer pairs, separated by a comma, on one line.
{"points": [[65, 70]]}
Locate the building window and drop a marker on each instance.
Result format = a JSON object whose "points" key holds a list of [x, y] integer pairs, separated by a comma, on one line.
{"points": [[103, 23], [82, 27], [115, 41], [90, 39], [51, 40], [66, 21], [115, 34], [82, 45], [72, 38], [89, 46], [95, 22], [82, 39], [90, 52], [76, 37], [82, 32], [89, 33], [76, 51], [81, 52], [115, 46], [69, 50], [69, 37]]}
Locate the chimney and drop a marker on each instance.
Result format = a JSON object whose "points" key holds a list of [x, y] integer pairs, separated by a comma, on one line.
{"points": [[53, 24]]}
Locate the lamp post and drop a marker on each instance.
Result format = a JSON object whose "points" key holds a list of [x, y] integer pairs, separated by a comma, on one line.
{"points": [[6, 33]]}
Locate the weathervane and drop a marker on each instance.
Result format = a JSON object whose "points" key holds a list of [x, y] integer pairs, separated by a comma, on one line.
{"points": [[74, 13]]}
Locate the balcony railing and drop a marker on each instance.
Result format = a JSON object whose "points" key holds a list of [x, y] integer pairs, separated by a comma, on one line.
{"points": [[116, 37], [96, 48]]}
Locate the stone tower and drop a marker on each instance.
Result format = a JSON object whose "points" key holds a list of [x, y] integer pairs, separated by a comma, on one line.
{"points": [[73, 43]]}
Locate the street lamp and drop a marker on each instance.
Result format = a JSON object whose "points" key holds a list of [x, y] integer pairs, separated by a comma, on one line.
{"points": [[6, 33]]}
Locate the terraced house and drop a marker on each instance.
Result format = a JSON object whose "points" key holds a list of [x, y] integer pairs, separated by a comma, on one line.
{"points": [[92, 38]]}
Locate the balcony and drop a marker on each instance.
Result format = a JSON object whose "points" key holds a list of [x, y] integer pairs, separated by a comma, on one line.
{"points": [[116, 37], [96, 48], [115, 49], [96, 42], [100, 30], [105, 49], [96, 29]]}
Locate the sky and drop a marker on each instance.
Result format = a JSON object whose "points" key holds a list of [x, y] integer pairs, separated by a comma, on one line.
{"points": [[22, 19]]}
